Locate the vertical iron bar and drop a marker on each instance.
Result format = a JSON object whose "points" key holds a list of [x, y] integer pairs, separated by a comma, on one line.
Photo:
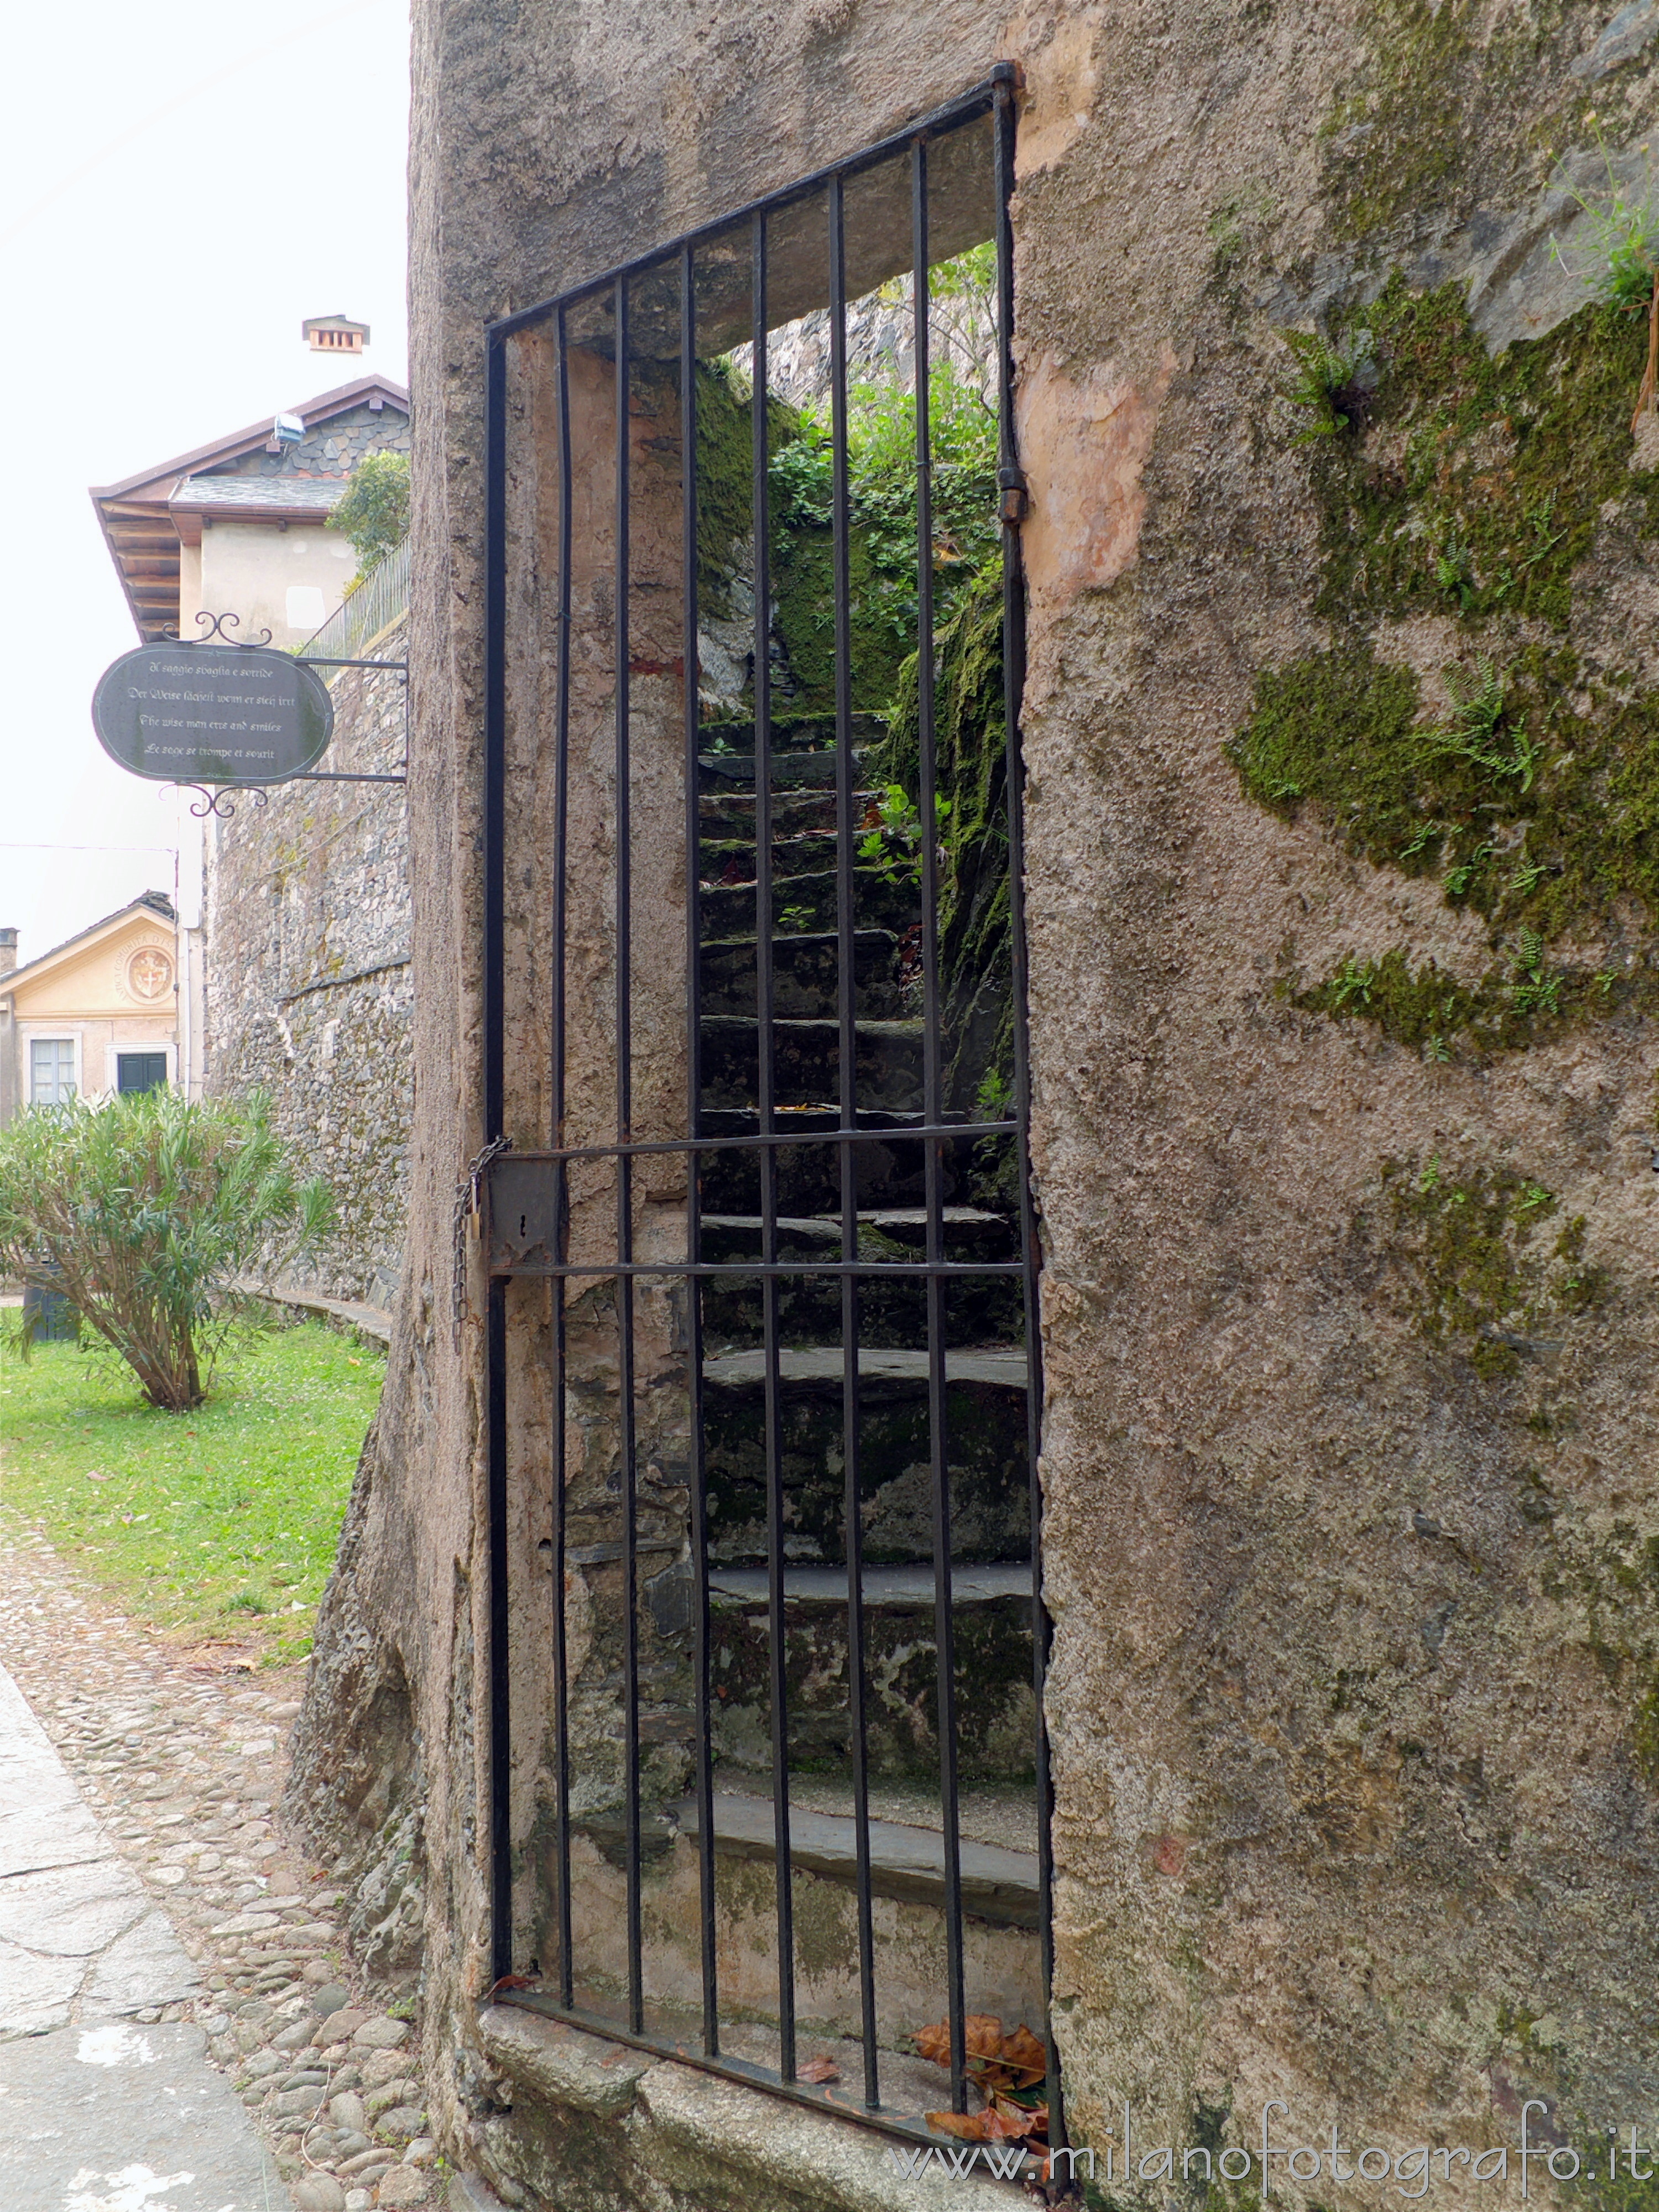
{"points": [[699, 1473], [1004, 124], [501, 1740], [845, 950], [557, 1025], [933, 1099], [493, 1012], [625, 1183], [767, 1114]]}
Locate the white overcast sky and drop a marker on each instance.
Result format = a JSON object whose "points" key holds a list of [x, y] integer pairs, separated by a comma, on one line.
{"points": [[181, 184]]}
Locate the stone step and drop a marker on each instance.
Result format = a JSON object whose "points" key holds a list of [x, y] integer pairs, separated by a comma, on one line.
{"points": [[986, 1449], [890, 1172], [997, 1885], [809, 900], [1003, 1368], [807, 1060], [968, 1233], [806, 977], [731, 773], [727, 818], [991, 1618], [792, 733], [806, 1063], [892, 1310], [884, 1589]]}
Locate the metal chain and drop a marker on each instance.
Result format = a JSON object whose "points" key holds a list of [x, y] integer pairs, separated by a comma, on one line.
{"points": [[469, 1194]]}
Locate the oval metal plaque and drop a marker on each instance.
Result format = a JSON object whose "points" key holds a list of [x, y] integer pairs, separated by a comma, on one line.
{"points": [[212, 713]]}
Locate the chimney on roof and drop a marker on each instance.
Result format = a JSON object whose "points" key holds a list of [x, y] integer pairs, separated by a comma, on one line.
{"points": [[335, 334], [7, 951]]}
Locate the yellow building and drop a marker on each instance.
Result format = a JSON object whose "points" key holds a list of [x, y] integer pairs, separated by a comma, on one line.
{"points": [[96, 1015]]}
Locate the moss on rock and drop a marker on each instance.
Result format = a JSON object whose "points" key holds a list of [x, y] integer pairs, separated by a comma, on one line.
{"points": [[1479, 1282], [1513, 1005], [1471, 485], [1456, 485]]}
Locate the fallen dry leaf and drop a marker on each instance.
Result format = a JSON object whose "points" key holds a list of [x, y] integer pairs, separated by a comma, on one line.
{"points": [[982, 2034], [819, 2070], [996, 2126], [966, 2127], [1031, 2121], [1025, 2053]]}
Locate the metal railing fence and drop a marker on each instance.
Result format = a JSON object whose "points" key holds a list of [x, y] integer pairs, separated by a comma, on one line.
{"points": [[367, 613]]}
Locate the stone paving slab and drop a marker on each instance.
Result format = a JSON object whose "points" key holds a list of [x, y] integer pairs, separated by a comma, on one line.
{"points": [[121, 2118], [175, 1763], [79, 1937]]}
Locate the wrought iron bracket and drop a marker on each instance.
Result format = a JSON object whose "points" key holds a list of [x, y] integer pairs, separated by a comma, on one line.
{"points": [[217, 798], [217, 629]]}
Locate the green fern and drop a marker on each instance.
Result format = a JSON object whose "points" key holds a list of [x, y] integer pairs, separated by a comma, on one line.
{"points": [[1322, 375]]}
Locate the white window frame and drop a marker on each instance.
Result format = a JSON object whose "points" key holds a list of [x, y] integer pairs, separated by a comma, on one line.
{"points": [[73, 1044]]}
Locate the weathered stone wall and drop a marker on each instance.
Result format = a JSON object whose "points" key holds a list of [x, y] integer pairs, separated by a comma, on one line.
{"points": [[1348, 1322], [309, 992]]}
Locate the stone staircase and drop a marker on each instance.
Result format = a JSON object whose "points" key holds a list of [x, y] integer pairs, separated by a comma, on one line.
{"points": [[985, 1362]]}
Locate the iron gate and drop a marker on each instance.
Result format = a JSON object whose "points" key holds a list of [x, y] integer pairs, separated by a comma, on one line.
{"points": [[788, 1287]]}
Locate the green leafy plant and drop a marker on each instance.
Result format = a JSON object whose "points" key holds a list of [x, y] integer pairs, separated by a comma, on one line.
{"points": [[1623, 255], [882, 520], [995, 1096], [892, 842], [1454, 571], [1351, 986], [144, 1212], [1471, 729], [1621, 266], [1322, 381], [373, 513], [1536, 989]]}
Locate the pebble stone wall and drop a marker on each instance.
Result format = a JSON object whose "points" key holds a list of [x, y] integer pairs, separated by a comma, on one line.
{"points": [[308, 993]]}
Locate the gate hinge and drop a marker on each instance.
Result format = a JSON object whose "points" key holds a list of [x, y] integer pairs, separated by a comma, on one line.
{"points": [[1011, 482], [465, 1224]]}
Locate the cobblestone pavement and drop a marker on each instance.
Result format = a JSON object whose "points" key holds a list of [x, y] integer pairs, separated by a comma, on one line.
{"points": [[181, 1760]]}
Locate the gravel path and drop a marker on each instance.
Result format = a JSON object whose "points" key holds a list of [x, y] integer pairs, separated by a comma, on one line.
{"points": [[184, 1763]]}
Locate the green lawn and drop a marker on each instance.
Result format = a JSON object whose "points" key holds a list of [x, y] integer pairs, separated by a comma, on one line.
{"points": [[219, 1523]]}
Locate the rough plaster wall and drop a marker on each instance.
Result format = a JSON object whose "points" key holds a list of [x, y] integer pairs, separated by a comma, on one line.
{"points": [[1257, 1895], [1266, 1887], [308, 984]]}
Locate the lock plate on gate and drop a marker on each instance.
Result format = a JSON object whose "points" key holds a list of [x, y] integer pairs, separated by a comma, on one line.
{"points": [[521, 1214]]}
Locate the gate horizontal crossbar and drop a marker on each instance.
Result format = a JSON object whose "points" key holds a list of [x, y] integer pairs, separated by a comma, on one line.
{"points": [[632, 1148], [883, 2121], [747, 1267]]}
